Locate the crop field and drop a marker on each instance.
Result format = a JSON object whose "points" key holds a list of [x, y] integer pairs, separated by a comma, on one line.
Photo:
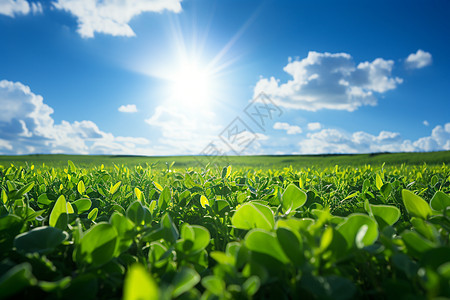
{"points": [[332, 227]]}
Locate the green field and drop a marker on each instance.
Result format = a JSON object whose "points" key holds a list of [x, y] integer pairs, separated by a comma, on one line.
{"points": [[263, 161], [265, 227]]}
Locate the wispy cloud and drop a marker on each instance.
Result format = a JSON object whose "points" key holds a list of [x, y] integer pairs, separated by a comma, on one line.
{"points": [[330, 81], [418, 60], [112, 17], [129, 108], [12, 8], [26, 126]]}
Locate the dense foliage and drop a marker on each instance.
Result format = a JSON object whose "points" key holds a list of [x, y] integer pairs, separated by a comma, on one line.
{"points": [[146, 233]]}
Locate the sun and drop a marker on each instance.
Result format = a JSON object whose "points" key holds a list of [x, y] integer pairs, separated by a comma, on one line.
{"points": [[191, 84]]}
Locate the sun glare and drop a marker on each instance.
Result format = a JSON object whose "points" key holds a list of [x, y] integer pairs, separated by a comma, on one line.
{"points": [[191, 85]]}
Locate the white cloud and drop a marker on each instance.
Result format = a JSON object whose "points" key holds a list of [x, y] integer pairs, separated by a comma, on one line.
{"points": [[290, 129], [314, 126], [36, 8], [338, 141], [183, 131], [14, 7], [26, 126], [426, 123], [113, 16], [330, 81], [418, 60], [129, 108]]}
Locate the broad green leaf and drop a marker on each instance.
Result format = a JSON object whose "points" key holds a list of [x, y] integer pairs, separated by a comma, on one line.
{"points": [[72, 167], [214, 284], [58, 216], [185, 280], [204, 201], [424, 228], [125, 231], [378, 181], [82, 205], [359, 230], [253, 215], [139, 214], [440, 201], [97, 246], [69, 208], [262, 241], [416, 244], [158, 186], [93, 214], [158, 254], [385, 214], [251, 285], [41, 240], [197, 237], [139, 194], [54, 286], [291, 245], [164, 198], [4, 197], [80, 187], [114, 188], [415, 205], [292, 198], [15, 280], [139, 285]]}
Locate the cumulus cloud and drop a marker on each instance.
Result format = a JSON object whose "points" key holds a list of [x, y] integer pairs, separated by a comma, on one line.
{"points": [[338, 141], [129, 108], [112, 17], [330, 81], [12, 8], [26, 126], [314, 126], [426, 123], [418, 60], [290, 129]]}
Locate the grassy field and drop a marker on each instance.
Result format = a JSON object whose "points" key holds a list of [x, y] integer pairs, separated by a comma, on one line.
{"points": [[263, 161]]}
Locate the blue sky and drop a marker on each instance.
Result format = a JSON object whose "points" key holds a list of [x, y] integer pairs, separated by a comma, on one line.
{"points": [[169, 77]]}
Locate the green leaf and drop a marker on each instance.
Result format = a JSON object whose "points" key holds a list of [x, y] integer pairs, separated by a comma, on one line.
{"points": [[253, 215], [58, 216], [72, 167], [416, 244], [290, 244], [139, 285], [261, 241], [198, 237], [97, 246], [415, 205], [80, 187], [185, 280], [4, 197], [15, 280], [292, 198], [125, 231], [114, 188], [139, 194], [378, 181], [251, 285], [385, 214], [41, 240], [93, 214], [139, 214], [164, 198], [82, 205], [440, 201], [359, 230], [204, 201], [214, 284]]}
